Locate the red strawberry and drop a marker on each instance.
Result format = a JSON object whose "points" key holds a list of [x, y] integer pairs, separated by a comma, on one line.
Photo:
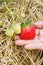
{"points": [[28, 32]]}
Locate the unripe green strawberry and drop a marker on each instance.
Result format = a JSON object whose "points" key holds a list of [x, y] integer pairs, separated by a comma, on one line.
{"points": [[9, 32], [13, 28], [17, 28]]}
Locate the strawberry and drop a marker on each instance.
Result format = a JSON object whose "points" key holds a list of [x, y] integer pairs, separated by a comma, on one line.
{"points": [[13, 28], [28, 31]]}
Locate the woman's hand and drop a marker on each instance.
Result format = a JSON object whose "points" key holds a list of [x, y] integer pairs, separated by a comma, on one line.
{"points": [[37, 42]]}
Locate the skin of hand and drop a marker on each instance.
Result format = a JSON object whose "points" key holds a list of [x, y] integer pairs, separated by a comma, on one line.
{"points": [[37, 42]]}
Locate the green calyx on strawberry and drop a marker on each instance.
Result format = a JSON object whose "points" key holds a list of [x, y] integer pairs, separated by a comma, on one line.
{"points": [[28, 30]]}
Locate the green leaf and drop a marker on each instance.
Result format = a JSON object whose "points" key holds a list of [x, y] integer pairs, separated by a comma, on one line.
{"points": [[27, 23]]}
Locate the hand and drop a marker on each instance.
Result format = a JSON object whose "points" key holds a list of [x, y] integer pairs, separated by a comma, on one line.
{"points": [[37, 42]]}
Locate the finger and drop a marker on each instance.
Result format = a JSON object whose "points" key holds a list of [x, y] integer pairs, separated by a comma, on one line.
{"points": [[37, 32], [34, 41], [41, 39], [36, 37], [38, 24], [41, 35], [41, 32], [23, 42], [20, 42], [34, 46]]}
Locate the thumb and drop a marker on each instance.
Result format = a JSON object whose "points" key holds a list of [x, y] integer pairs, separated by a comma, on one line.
{"points": [[39, 24]]}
